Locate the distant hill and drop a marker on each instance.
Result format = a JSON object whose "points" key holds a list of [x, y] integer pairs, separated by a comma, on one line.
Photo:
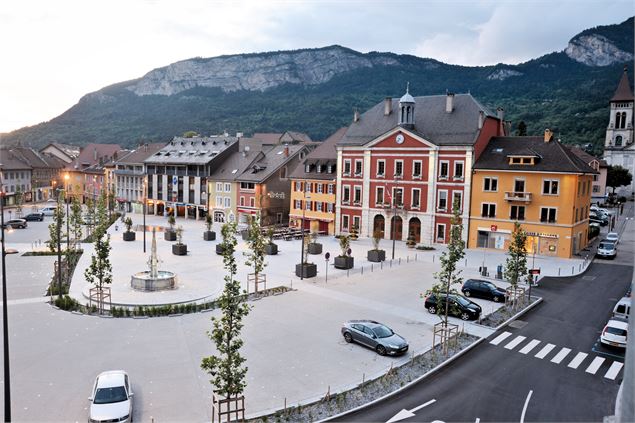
{"points": [[315, 91]]}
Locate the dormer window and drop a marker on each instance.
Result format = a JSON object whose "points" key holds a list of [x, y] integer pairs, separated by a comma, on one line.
{"points": [[522, 160], [307, 168]]}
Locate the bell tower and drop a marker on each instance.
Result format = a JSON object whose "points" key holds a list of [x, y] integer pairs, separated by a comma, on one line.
{"points": [[619, 133]]}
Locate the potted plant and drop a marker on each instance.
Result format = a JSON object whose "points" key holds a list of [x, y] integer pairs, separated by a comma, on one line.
{"points": [[354, 233], [410, 242], [219, 249], [344, 260], [304, 269], [179, 249], [271, 248], [129, 235], [170, 234], [376, 255], [209, 234], [314, 246]]}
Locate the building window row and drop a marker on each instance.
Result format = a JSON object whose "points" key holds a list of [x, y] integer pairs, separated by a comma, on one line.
{"points": [[314, 187], [318, 206]]}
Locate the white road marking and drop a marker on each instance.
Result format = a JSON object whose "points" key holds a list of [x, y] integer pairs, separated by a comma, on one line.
{"points": [[405, 414], [500, 338], [577, 360], [614, 370], [513, 344], [477, 420], [522, 416], [432, 401], [527, 348], [595, 365], [561, 355], [544, 351]]}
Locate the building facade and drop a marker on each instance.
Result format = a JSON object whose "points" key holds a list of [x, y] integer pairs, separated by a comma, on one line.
{"points": [[129, 177], [598, 191], [537, 182]]}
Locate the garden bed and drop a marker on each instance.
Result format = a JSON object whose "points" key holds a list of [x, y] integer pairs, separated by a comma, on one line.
{"points": [[506, 312]]}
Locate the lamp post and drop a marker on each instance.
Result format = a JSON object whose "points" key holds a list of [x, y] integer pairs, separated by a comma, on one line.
{"points": [[58, 223], [66, 199], [144, 187], [306, 197]]}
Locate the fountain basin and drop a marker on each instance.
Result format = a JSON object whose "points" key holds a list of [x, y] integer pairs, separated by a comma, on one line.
{"points": [[144, 281]]}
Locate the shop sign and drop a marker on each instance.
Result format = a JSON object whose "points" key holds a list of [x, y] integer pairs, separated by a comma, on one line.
{"points": [[279, 195]]}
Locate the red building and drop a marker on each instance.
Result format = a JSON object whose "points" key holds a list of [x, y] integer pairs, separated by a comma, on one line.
{"points": [[401, 164]]}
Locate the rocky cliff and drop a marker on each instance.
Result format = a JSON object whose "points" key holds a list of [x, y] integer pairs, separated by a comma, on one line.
{"points": [[596, 50]]}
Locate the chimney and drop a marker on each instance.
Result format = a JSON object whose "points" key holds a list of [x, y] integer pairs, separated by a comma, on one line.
{"points": [[500, 113], [548, 135], [95, 153], [355, 115], [449, 102], [239, 134], [481, 119], [145, 147], [286, 150], [387, 106]]}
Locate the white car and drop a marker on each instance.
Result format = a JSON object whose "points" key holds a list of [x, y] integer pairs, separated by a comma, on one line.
{"points": [[606, 249], [48, 210], [613, 237], [111, 399], [614, 333]]}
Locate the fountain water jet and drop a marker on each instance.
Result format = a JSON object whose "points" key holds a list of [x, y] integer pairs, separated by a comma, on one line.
{"points": [[153, 279]]}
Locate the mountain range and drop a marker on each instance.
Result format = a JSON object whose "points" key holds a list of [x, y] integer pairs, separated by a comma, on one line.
{"points": [[315, 91]]}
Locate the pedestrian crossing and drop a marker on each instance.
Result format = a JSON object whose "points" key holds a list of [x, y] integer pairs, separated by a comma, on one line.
{"points": [[562, 355]]}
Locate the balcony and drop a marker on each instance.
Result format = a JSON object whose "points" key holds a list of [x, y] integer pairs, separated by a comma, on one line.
{"points": [[523, 197]]}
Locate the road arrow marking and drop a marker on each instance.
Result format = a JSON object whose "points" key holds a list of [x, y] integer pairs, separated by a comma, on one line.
{"points": [[404, 414]]}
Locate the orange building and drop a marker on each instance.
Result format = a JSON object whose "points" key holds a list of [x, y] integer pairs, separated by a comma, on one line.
{"points": [[537, 182]]}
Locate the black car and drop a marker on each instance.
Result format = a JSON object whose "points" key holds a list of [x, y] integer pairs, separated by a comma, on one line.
{"points": [[16, 224], [483, 289], [374, 335], [38, 216], [459, 306]]}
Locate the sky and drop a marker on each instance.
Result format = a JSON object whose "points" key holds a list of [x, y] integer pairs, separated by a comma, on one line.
{"points": [[54, 52]]}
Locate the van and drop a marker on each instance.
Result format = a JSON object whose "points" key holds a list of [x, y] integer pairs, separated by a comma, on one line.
{"points": [[48, 210], [622, 308]]}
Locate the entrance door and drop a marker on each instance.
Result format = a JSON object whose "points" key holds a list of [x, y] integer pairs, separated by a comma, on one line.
{"points": [[379, 224], [414, 229], [396, 231]]}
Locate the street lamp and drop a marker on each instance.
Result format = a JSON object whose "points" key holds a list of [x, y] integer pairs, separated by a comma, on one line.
{"points": [[58, 223], [66, 199], [306, 197], [144, 187]]}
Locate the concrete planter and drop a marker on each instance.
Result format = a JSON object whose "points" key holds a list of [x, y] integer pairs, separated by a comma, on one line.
{"points": [[346, 262], [209, 235], [129, 236], [315, 248], [271, 249], [219, 249], [245, 235], [308, 270], [169, 235], [376, 255], [179, 249]]}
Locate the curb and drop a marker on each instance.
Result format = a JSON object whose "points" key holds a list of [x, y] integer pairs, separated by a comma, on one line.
{"points": [[514, 317]]}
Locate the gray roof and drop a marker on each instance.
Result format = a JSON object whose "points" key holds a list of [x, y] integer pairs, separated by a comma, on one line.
{"points": [[324, 154], [432, 122], [141, 153], [237, 162], [10, 161], [552, 156], [270, 160], [194, 151]]}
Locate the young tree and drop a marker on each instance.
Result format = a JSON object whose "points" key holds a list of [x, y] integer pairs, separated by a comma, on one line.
{"points": [[55, 228], [19, 200], [617, 176], [102, 212], [99, 273], [449, 274], [90, 215], [76, 220], [257, 243], [516, 263], [227, 370]]}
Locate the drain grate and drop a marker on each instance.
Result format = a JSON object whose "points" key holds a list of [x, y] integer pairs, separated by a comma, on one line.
{"points": [[588, 278], [518, 324]]}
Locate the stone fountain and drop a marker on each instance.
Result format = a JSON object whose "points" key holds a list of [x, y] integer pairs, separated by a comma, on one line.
{"points": [[153, 279]]}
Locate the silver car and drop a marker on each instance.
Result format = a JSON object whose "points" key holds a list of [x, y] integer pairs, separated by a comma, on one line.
{"points": [[606, 249], [111, 399], [374, 335]]}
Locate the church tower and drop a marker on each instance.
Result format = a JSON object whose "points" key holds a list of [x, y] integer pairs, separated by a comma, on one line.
{"points": [[619, 133], [407, 109]]}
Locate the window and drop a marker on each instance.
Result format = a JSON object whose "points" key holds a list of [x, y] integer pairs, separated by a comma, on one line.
{"points": [[219, 187], [442, 203], [242, 201], [579, 188], [550, 186], [247, 185], [346, 194], [345, 221], [381, 168], [398, 168], [219, 202], [228, 187], [441, 232], [457, 200], [331, 188], [298, 186], [228, 202], [347, 167], [596, 188], [416, 198], [318, 206], [517, 213], [490, 184], [358, 168], [416, 169], [618, 141], [329, 207], [397, 195], [444, 169], [309, 205], [379, 196], [548, 214], [298, 204], [488, 210], [576, 215], [458, 170], [319, 188], [252, 202], [356, 222], [357, 196]]}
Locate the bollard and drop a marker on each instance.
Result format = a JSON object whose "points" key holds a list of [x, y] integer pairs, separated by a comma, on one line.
{"points": [[362, 270], [558, 271], [580, 267], [371, 268], [572, 269], [432, 258], [391, 263], [285, 404], [465, 262], [381, 265], [407, 259], [347, 272], [399, 260], [415, 256]]}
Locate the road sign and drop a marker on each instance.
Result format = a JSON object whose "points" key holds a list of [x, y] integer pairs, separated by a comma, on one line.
{"points": [[534, 271], [493, 228]]}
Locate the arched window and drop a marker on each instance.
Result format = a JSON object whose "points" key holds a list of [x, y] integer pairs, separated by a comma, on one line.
{"points": [[618, 141]]}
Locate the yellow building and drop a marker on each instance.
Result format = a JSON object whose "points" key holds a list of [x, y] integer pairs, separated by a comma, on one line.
{"points": [[537, 182], [313, 188]]}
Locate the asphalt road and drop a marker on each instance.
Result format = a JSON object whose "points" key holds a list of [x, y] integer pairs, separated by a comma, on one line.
{"points": [[507, 382]]}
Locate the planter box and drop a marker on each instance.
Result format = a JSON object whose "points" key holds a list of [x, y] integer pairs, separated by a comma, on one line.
{"points": [[179, 249], [219, 249], [169, 235], [315, 248], [308, 270], [245, 235], [376, 255], [346, 262], [129, 236], [271, 249], [209, 235]]}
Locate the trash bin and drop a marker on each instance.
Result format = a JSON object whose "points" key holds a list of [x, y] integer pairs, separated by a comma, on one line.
{"points": [[483, 270], [499, 271]]}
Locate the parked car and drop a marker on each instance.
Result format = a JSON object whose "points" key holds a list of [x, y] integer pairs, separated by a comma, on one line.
{"points": [[622, 308], [37, 216], [459, 306], [614, 333], [483, 289], [111, 398], [613, 237], [598, 218], [48, 210], [16, 224], [606, 249], [374, 335]]}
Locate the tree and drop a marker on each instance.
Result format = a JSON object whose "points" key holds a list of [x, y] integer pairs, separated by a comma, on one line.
{"points": [[449, 274], [19, 200], [102, 222], [99, 273], [521, 129], [257, 243], [617, 176], [55, 228], [516, 263], [76, 219], [90, 215], [227, 370]]}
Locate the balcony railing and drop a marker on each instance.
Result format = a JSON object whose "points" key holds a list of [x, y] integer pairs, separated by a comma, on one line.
{"points": [[518, 196]]}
